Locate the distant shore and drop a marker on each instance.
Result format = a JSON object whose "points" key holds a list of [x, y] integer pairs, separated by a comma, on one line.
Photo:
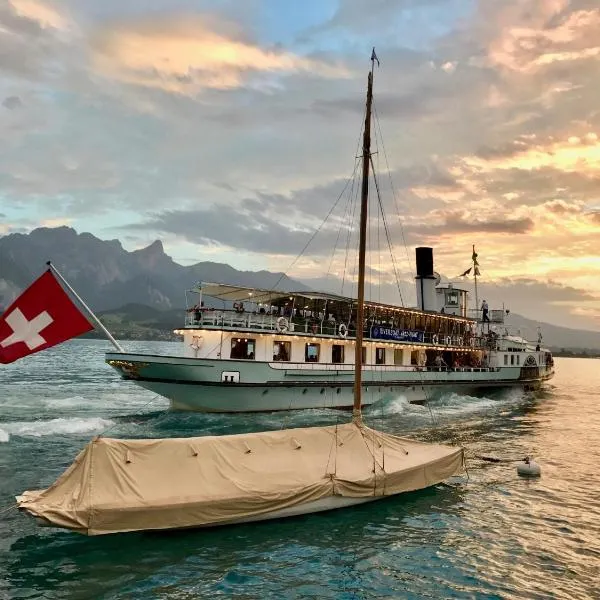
{"points": [[576, 354]]}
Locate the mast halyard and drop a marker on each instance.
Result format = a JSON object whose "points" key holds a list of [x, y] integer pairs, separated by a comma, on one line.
{"points": [[362, 245]]}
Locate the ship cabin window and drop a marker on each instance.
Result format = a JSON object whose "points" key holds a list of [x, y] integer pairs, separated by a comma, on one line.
{"points": [[518, 360], [364, 355], [243, 348], [505, 359], [380, 356], [512, 359], [337, 354], [311, 352], [282, 351], [452, 298], [399, 357]]}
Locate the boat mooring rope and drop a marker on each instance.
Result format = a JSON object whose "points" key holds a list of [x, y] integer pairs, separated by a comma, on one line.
{"points": [[5, 510], [105, 431]]}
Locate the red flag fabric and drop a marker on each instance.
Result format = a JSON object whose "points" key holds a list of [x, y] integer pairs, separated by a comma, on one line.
{"points": [[41, 317]]}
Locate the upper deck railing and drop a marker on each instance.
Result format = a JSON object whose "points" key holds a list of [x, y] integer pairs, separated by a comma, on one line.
{"points": [[273, 323], [494, 316]]}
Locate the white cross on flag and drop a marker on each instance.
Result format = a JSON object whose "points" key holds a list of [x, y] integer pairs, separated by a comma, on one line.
{"points": [[42, 316]]}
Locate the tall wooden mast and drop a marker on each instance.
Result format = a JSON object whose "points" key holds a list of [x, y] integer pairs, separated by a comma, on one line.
{"points": [[362, 246]]}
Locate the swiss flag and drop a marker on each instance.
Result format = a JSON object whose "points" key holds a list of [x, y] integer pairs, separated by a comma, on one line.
{"points": [[41, 317]]}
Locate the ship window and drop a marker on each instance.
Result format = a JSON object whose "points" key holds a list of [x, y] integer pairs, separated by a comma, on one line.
{"points": [[512, 359], [518, 360], [311, 352], [364, 355], [506, 359], [399, 356], [243, 348], [282, 351], [380, 356], [337, 353], [452, 299]]}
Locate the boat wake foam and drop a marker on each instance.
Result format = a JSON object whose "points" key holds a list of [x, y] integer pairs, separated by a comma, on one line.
{"points": [[397, 405], [74, 425], [449, 404], [108, 401], [453, 403]]}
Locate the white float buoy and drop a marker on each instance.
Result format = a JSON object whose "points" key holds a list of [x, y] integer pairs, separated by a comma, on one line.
{"points": [[528, 468]]}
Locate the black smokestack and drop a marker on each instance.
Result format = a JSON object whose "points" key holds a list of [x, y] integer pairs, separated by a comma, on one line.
{"points": [[424, 262]]}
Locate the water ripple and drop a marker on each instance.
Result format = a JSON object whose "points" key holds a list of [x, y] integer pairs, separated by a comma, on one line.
{"points": [[489, 535]]}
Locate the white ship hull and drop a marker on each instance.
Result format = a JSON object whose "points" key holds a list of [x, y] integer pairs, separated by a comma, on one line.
{"points": [[197, 384], [244, 360]]}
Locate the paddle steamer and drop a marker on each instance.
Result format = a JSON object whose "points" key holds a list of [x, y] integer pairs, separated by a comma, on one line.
{"points": [[247, 349]]}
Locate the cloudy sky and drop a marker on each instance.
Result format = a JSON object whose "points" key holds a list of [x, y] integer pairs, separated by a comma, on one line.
{"points": [[228, 129]]}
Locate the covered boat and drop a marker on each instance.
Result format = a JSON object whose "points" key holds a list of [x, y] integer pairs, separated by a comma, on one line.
{"points": [[119, 485]]}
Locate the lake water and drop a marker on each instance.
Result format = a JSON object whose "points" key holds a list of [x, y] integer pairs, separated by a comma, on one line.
{"points": [[491, 535]]}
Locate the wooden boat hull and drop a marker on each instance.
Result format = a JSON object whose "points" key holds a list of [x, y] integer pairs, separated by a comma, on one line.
{"points": [[322, 505]]}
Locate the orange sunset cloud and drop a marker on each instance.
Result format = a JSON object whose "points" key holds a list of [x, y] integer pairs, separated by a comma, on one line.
{"points": [[184, 55], [43, 13]]}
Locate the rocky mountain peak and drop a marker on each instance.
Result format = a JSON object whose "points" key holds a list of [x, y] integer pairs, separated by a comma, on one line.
{"points": [[156, 247]]}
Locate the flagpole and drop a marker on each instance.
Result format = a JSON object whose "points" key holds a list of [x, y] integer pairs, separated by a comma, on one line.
{"points": [[474, 257], [87, 308]]}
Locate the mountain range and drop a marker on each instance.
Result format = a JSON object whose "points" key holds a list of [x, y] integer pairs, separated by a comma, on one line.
{"points": [[141, 293], [107, 276]]}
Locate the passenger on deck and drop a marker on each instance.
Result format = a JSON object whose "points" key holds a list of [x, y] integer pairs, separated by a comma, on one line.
{"points": [[198, 311], [484, 312]]}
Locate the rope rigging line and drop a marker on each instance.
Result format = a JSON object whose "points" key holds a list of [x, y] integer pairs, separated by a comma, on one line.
{"points": [[394, 194], [376, 153], [387, 234], [354, 201], [342, 222], [315, 233], [5, 510], [349, 224], [312, 237], [378, 134], [151, 401], [345, 217]]}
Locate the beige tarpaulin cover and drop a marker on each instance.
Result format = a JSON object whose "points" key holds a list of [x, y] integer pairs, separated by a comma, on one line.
{"points": [[119, 485]]}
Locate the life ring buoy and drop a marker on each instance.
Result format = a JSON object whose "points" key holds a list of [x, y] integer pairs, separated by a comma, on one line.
{"points": [[282, 324], [459, 341], [197, 341], [343, 330], [196, 344], [448, 340], [434, 339]]}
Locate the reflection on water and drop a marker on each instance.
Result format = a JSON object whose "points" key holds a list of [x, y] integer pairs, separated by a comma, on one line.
{"points": [[491, 534]]}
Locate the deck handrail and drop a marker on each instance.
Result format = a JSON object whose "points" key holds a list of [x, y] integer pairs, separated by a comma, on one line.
{"points": [[285, 325]]}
